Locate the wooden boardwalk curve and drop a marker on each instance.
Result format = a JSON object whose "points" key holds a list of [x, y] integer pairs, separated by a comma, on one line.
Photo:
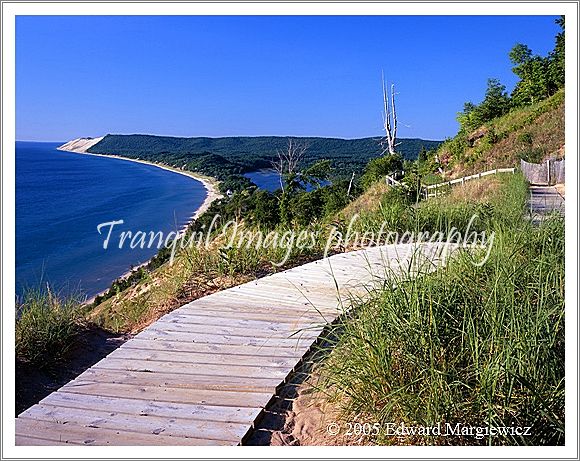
{"points": [[202, 374]]}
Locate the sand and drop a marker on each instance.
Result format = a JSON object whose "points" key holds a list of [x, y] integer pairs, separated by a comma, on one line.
{"points": [[79, 145]]}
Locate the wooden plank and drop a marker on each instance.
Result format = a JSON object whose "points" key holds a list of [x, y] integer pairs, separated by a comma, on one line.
{"points": [[307, 291], [328, 306], [235, 321], [207, 315], [295, 286], [301, 304], [192, 382], [180, 368], [181, 346], [293, 343], [171, 394], [270, 332], [80, 435], [326, 302], [227, 298], [145, 407], [327, 274], [22, 440], [314, 280], [129, 352], [251, 307], [202, 374], [333, 276], [322, 302], [143, 424]]}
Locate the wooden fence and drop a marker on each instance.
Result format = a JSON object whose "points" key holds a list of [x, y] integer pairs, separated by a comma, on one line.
{"points": [[436, 189], [544, 174], [391, 181]]}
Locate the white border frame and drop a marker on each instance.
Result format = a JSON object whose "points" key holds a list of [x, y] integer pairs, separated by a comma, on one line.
{"points": [[11, 9]]}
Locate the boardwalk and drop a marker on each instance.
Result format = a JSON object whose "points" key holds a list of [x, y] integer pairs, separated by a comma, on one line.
{"points": [[544, 200], [202, 374]]}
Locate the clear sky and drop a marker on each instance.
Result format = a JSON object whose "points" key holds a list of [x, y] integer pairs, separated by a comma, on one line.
{"points": [[232, 76]]}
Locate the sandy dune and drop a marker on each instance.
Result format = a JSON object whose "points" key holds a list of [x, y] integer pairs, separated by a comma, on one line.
{"points": [[79, 145]]}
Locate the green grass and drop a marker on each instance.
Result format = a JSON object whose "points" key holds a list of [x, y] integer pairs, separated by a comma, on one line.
{"points": [[444, 213], [520, 118], [46, 326], [481, 346]]}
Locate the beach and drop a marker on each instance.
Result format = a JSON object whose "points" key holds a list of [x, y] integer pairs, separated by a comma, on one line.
{"points": [[81, 145]]}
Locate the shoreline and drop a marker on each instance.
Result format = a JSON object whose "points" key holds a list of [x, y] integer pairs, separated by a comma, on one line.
{"points": [[210, 184], [212, 193]]}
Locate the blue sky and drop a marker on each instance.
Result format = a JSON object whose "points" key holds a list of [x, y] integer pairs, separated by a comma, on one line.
{"points": [[234, 76]]}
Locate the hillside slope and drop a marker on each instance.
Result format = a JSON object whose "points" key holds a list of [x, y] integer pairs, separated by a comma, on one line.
{"points": [[531, 133]]}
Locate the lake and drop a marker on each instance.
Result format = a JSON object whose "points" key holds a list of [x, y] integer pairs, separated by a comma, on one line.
{"points": [[269, 180], [62, 197]]}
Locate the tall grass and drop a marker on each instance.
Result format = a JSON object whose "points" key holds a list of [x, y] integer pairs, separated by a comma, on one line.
{"points": [[491, 204], [46, 325], [479, 346]]}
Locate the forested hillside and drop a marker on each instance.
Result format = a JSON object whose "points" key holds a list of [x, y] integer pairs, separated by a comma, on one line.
{"points": [[216, 156], [532, 133]]}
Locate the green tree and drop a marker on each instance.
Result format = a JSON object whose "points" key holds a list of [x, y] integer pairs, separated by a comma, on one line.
{"points": [[317, 173], [533, 73], [379, 167], [423, 155], [307, 207], [266, 212], [469, 119], [284, 206], [496, 102], [556, 59], [335, 196]]}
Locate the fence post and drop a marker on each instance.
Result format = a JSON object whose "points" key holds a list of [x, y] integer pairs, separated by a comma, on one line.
{"points": [[549, 175]]}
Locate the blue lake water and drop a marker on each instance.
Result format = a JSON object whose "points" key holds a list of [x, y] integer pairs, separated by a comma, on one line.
{"points": [[265, 179], [61, 197], [269, 180]]}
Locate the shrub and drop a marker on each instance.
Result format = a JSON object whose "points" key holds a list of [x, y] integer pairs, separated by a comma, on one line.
{"points": [[336, 196], [379, 167], [525, 138], [46, 326], [532, 154], [307, 207], [266, 212]]}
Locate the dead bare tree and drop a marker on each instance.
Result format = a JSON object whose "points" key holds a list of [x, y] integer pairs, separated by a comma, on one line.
{"points": [[350, 185], [389, 120], [288, 159]]}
